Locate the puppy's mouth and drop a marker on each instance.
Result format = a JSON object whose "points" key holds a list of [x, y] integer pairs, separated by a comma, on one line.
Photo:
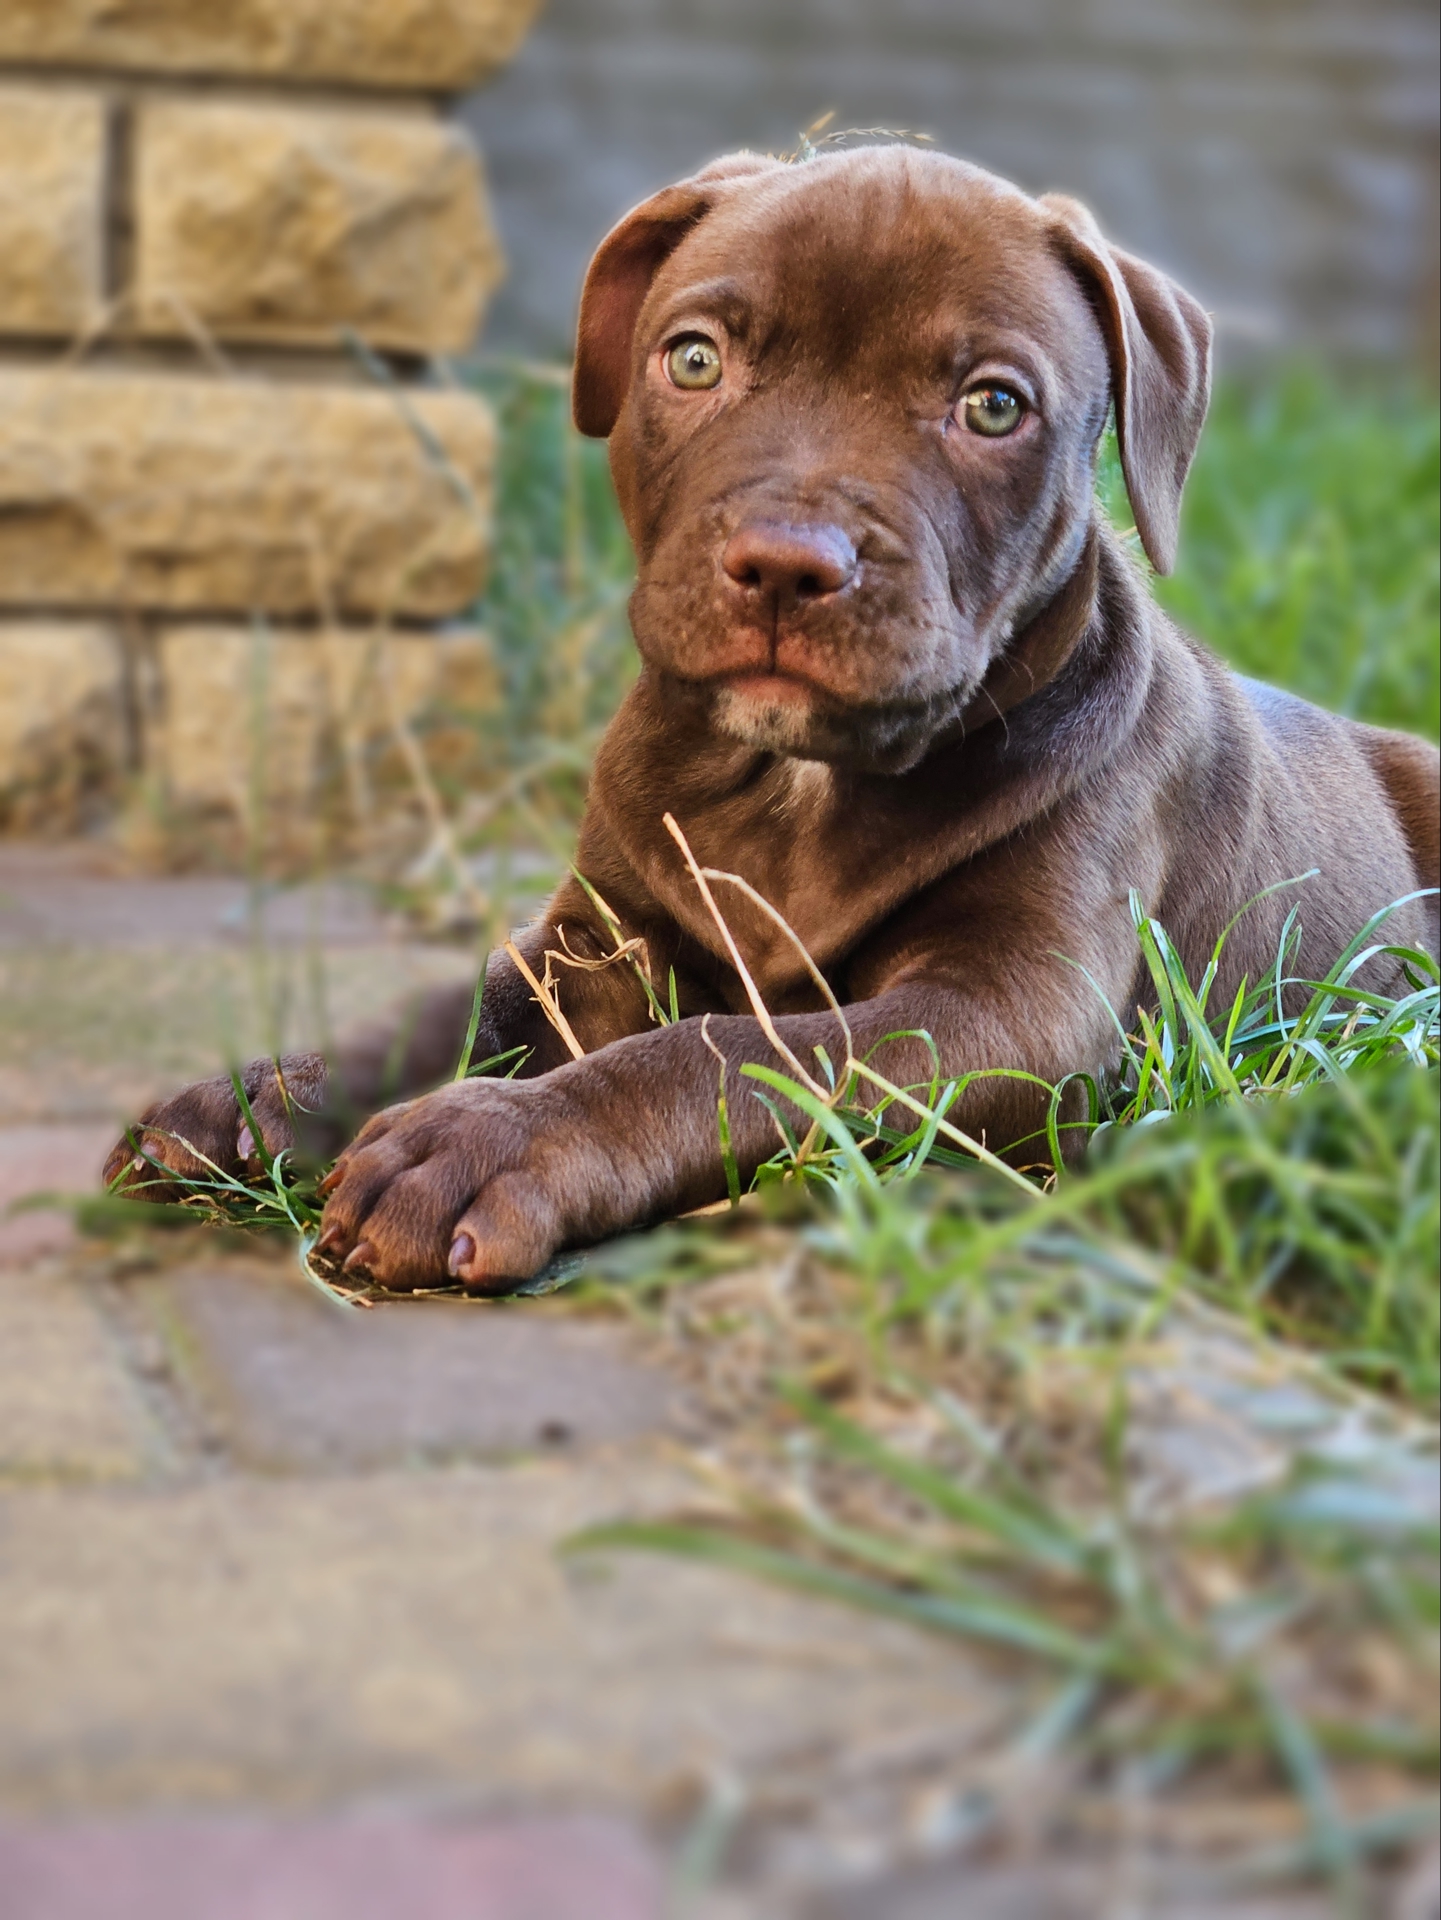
{"points": [[778, 671], [764, 687], [785, 667]]}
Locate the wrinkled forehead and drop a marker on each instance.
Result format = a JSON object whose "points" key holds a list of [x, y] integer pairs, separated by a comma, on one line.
{"points": [[882, 255]]}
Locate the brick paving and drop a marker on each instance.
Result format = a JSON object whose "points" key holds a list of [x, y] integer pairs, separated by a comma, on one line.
{"points": [[333, 1870], [287, 1634]]}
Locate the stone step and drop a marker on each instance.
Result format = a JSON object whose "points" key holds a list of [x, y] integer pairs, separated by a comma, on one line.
{"points": [[179, 494], [283, 224], [435, 45]]}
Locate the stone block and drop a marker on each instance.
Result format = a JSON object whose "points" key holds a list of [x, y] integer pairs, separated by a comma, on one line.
{"points": [[318, 694], [62, 719], [444, 45], [287, 224], [67, 1409], [262, 1639], [45, 1160], [186, 494], [336, 1868], [292, 1385], [243, 712], [52, 189]]}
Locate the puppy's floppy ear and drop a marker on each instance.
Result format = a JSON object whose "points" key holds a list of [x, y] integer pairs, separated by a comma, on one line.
{"points": [[1158, 340], [619, 279]]}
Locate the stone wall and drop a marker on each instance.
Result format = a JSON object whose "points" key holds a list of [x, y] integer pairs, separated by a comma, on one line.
{"points": [[232, 239], [1279, 155]]}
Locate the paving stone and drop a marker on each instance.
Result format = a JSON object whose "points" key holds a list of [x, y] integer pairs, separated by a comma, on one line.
{"points": [[61, 897], [1076, 1892], [434, 44], [285, 224], [307, 1643], [1419, 1895], [190, 495], [68, 1410], [38, 1160], [335, 1870], [294, 1384]]}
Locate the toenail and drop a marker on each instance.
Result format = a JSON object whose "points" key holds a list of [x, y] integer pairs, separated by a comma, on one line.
{"points": [[331, 1237], [462, 1252], [245, 1145], [362, 1256]]}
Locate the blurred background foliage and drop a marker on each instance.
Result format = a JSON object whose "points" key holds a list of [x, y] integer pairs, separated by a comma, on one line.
{"points": [[1310, 540]]}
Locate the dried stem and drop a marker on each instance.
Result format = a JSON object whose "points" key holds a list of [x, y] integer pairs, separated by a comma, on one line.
{"points": [[758, 1006], [546, 1001], [831, 1096]]}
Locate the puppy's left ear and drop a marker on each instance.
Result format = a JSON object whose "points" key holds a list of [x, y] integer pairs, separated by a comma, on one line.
{"points": [[1158, 340], [619, 279]]}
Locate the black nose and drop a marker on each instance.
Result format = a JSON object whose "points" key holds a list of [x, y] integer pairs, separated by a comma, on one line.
{"points": [[793, 563]]}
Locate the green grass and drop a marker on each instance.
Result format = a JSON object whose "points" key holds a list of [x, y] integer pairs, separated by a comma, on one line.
{"points": [[1294, 1180], [1258, 1182], [561, 571]]}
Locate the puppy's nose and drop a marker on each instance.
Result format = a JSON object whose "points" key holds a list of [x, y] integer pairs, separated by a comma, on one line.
{"points": [[794, 563]]}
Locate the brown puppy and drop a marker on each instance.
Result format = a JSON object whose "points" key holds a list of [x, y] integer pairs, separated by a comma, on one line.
{"points": [[899, 675]]}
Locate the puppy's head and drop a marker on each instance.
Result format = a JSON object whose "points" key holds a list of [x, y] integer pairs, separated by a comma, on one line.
{"points": [[854, 406]]}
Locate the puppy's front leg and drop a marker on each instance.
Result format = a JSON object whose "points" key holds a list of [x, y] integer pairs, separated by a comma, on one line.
{"points": [[487, 1179]]}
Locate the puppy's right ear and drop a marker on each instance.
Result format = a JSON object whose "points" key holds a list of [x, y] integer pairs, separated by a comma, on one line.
{"points": [[620, 277]]}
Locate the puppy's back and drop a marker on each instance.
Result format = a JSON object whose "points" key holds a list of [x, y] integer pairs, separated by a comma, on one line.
{"points": [[1361, 803], [1410, 771]]}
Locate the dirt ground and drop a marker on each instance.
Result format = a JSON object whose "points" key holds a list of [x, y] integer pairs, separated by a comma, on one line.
{"points": [[286, 1628]]}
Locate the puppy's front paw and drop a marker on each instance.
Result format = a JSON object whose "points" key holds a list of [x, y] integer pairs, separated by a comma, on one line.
{"points": [[482, 1181], [204, 1124]]}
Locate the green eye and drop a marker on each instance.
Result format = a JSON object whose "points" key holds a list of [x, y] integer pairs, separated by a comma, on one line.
{"points": [[694, 363], [993, 411]]}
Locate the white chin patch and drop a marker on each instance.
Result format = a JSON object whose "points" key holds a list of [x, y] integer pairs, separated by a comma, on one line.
{"points": [[778, 727]]}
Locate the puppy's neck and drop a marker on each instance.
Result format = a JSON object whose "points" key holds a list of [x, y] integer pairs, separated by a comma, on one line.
{"points": [[809, 785], [1040, 651]]}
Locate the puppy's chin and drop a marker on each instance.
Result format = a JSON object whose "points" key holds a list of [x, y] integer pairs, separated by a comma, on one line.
{"points": [[873, 741], [775, 726]]}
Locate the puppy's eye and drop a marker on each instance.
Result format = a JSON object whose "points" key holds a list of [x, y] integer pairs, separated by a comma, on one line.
{"points": [[694, 363], [993, 411]]}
